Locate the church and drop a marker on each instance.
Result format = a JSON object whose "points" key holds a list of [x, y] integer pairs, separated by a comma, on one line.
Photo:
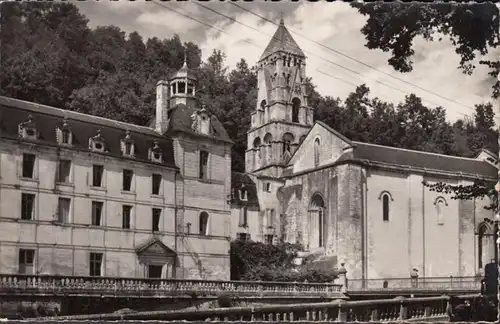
{"points": [[82, 195], [361, 204]]}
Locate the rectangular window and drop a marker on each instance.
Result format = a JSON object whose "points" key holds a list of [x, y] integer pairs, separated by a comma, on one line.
{"points": [[269, 238], [243, 236], [270, 218], [127, 179], [243, 217], [126, 216], [154, 271], [63, 171], [267, 187], [155, 184], [63, 210], [203, 165], [27, 206], [97, 213], [95, 264], [28, 165], [156, 220], [26, 261], [97, 173]]}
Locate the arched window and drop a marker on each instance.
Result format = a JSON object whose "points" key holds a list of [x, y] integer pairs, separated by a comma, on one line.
{"points": [[301, 139], [295, 110], [385, 207], [288, 139], [317, 222], [203, 223], [267, 141], [263, 104], [66, 136], [440, 210], [256, 146], [316, 151]]}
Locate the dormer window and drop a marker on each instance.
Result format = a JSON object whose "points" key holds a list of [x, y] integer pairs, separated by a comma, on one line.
{"points": [[97, 143], [243, 194], [63, 134], [27, 129], [204, 118], [155, 153], [128, 147]]}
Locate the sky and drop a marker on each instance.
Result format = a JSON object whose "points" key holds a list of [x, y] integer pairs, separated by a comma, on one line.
{"points": [[335, 25]]}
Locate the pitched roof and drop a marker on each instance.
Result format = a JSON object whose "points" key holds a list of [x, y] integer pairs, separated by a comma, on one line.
{"points": [[83, 126], [180, 120], [282, 41], [242, 180], [419, 159]]}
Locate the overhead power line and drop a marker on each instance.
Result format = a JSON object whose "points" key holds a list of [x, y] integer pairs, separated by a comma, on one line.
{"points": [[188, 15]]}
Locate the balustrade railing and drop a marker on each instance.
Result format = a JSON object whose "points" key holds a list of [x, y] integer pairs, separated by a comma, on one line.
{"points": [[12, 283], [429, 283], [416, 309]]}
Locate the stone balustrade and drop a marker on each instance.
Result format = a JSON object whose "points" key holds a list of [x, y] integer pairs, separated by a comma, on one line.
{"points": [[114, 286], [416, 284], [397, 309]]}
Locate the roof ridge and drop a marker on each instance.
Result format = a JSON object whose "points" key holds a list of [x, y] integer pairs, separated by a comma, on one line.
{"points": [[417, 151], [28, 105]]}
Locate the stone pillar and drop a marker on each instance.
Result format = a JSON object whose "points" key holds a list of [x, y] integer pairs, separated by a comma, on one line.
{"points": [[414, 278], [343, 278]]}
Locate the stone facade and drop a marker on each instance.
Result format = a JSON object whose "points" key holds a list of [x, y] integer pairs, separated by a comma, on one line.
{"points": [[173, 219], [365, 204]]}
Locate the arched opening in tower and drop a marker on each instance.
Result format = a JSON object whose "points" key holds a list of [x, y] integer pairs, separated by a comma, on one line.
{"points": [[295, 109]]}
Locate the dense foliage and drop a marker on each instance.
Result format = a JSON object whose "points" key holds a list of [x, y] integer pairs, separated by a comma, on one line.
{"points": [[473, 29], [51, 56], [254, 261]]}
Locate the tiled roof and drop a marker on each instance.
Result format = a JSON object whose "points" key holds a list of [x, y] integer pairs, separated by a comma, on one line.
{"points": [[420, 159], [242, 180], [180, 120], [282, 41], [14, 111]]}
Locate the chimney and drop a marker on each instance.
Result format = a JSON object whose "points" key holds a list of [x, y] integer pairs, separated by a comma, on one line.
{"points": [[162, 98]]}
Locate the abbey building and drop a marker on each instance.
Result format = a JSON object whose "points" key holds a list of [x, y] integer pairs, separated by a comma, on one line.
{"points": [[357, 203], [87, 196]]}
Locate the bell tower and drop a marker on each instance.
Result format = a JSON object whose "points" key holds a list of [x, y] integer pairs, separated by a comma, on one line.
{"points": [[282, 116]]}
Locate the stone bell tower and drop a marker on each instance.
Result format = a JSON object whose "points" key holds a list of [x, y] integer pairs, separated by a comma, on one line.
{"points": [[282, 116]]}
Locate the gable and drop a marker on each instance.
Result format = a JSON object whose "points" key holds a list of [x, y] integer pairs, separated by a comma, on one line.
{"points": [[332, 146], [155, 247]]}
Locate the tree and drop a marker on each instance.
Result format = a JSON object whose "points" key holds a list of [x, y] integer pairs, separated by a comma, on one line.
{"points": [[473, 29]]}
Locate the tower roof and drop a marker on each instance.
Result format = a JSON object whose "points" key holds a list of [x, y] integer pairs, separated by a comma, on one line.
{"points": [[282, 41], [184, 71]]}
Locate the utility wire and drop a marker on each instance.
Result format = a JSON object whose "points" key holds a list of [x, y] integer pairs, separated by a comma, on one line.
{"points": [[313, 54], [260, 47], [354, 59]]}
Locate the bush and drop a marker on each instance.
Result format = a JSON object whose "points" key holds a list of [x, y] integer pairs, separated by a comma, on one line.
{"points": [[254, 261]]}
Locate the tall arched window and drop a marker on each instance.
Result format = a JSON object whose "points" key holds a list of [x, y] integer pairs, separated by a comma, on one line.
{"points": [[487, 248], [287, 142], [203, 223], [256, 146], [295, 110], [440, 210], [317, 221], [263, 105], [316, 151], [385, 207], [267, 142]]}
